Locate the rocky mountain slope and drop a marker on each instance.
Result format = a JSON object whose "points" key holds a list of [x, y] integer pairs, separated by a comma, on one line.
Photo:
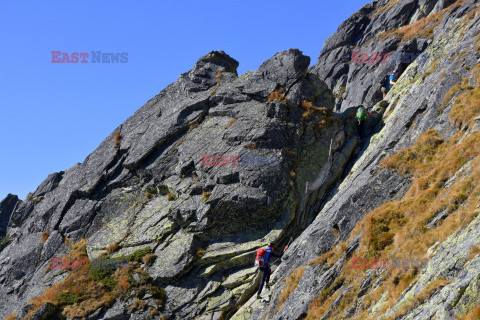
{"points": [[163, 219]]}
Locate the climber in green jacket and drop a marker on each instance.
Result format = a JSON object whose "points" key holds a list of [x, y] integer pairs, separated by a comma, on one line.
{"points": [[362, 116]]}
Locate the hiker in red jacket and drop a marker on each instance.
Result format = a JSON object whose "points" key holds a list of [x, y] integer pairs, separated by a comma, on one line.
{"points": [[263, 262]]}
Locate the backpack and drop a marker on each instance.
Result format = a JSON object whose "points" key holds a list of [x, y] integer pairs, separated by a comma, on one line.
{"points": [[384, 81], [260, 260], [361, 114]]}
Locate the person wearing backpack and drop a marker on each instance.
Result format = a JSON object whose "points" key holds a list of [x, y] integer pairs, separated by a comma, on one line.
{"points": [[362, 117], [388, 81], [262, 261]]}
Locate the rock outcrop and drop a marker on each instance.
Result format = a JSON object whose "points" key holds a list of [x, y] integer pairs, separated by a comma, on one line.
{"points": [[174, 203], [422, 101], [203, 174], [7, 206]]}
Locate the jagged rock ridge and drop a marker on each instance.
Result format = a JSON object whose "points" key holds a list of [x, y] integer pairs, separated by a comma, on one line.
{"points": [[166, 180], [201, 175]]}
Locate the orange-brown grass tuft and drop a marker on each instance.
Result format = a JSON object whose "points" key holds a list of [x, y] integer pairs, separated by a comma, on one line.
{"points": [[230, 123], [78, 249], [149, 258], [137, 305], [381, 226], [250, 146], [473, 252], [277, 95], [293, 175], [11, 316], [472, 315], [201, 252], [386, 7], [45, 236], [291, 284], [466, 107], [195, 123], [117, 139], [218, 76], [123, 278], [113, 248], [311, 110], [340, 93], [206, 195]]}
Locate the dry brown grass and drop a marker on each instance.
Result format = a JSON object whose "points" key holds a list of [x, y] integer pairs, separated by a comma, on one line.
{"points": [[473, 252], [293, 175], [327, 122], [153, 312], [420, 298], [201, 252], [117, 139], [472, 315], [148, 259], [311, 110], [386, 7], [113, 248], [291, 284], [277, 95], [84, 291], [11, 316], [250, 146], [399, 227], [171, 196], [323, 303], [206, 195], [340, 93], [78, 249], [45, 236], [423, 27], [219, 77], [123, 278], [137, 305], [466, 107], [230, 123]]}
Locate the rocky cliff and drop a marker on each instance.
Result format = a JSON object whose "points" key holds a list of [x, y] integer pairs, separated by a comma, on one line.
{"points": [[162, 220]]}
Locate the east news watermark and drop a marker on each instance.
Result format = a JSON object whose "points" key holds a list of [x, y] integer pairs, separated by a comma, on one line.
{"points": [[391, 263], [386, 57], [89, 57], [244, 160], [64, 263]]}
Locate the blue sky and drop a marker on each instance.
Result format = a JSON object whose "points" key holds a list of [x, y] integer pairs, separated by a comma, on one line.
{"points": [[53, 115]]}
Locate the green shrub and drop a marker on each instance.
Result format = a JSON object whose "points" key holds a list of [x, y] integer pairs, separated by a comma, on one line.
{"points": [[139, 254], [104, 276], [5, 242], [67, 298]]}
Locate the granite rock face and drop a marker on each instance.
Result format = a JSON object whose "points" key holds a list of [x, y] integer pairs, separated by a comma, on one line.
{"points": [[7, 206], [217, 165], [354, 59], [420, 101]]}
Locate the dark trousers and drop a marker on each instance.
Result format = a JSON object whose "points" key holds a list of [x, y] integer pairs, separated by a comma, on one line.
{"points": [[361, 129], [266, 271]]}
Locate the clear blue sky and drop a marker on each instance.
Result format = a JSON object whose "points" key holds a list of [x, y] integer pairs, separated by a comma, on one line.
{"points": [[53, 115]]}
